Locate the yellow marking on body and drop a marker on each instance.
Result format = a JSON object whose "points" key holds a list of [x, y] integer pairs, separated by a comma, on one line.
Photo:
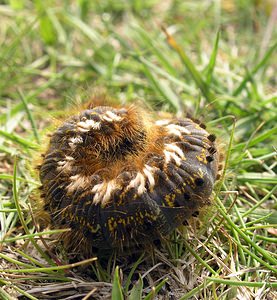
{"points": [[92, 228], [121, 197], [169, 200], [191, 183], [122, 221], [202, 156], [112, 224], [151, 217], [197, 126], [200, 173]]}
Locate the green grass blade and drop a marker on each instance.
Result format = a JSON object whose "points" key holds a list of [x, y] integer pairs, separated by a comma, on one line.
{"points": [[4, 295], [136, 292], [47, 30], [163, 88], [16, 4], [166, 75], [30, 116], [14, 261], [196, 290], [258, 178], [136, 264], [87, 30], [265, 198], [117, 288], [251, 73], [18, 140], [260, 250], [260, 138], [190, 67], [272, 285], [191, 250], [167, 65], [50, 269], [155, 290], [20, 215], [211, 65], [32, 235], [8, 51]]}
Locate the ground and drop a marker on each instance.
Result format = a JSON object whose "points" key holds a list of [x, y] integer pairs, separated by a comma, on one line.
{"points": [[212, 60]]}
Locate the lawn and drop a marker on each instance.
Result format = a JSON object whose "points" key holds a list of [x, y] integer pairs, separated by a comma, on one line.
{"points": [[214, 60]]}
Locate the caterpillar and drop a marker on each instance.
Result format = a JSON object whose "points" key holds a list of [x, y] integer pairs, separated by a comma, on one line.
{"points": [[117, 176]]}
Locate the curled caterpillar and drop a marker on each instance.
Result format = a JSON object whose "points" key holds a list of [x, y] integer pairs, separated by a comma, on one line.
{"points": [[118, 177]]}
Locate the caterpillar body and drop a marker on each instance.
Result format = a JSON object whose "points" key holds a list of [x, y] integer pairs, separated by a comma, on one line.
{"points": [[117, 177]]}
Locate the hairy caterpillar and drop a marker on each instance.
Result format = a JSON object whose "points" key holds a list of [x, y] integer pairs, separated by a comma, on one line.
{"points": [[119, 177]]}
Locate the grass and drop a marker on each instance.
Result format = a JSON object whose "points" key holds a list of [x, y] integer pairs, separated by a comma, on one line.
{"points": [[214, 60]]}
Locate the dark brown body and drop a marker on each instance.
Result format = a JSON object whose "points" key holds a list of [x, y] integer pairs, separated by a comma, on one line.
{"points": [[118, 178]]}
